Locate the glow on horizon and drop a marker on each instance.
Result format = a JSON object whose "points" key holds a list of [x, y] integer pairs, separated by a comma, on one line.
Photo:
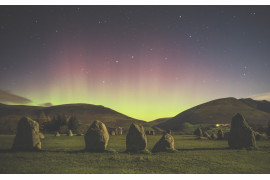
{"points": [[141, 93]]}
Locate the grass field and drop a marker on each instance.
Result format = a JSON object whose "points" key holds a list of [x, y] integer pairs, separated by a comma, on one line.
{"points": [[64, 155]]}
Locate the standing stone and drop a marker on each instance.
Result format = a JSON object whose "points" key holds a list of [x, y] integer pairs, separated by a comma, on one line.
{"points": [[57, 134], [205, 134], [27, 137], [214, 136], [136, 139], [152, 133], [69, 133], [97, 137], [198, 132], [165, 144], [169, 131], [112, 132], [147, 132], [220, 135], [241, 134], [119, 131]]}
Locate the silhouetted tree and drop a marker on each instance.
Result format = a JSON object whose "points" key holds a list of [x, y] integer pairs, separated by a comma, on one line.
{"points": [[57, 122], [73, 123]]}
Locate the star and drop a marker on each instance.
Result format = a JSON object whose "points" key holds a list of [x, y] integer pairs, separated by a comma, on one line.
{"points": [[103, 82], [179, 17], [56, 31], [116, 61], [132, 57]]}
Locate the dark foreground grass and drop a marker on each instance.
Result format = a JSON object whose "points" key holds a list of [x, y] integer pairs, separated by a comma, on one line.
{"points": [[64, 155]]}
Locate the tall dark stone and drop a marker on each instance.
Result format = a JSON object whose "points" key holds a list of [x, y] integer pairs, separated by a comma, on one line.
{"points": [[198, 132], [241, 134], [27, 137], [97, 137], [136, 139]]}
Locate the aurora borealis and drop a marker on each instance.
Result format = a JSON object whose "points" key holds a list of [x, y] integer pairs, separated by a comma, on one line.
{"points": [[146, 62]]}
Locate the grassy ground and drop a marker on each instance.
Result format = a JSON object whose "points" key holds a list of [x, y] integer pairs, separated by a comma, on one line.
{"points": [[63, 155]]}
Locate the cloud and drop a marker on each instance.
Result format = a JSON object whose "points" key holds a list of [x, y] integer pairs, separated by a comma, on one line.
{"points": [[262, 96], [8, 97], [46, 104]]}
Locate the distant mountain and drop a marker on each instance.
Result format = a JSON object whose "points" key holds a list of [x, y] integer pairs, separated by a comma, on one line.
{"points": [[85, 113], [260, 105], [158, 121], [221, 111]]}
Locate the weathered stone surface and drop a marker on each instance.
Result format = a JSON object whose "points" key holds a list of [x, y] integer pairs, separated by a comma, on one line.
{"points": [[57, 134], [152, 132], [241, 134], [119, 131], [214, 136], [220, 135], [136, 139], [205, 134], [112, 133], [27, 137], [165, 144], [41, 136], [198, 132], [169, 131], [69, 133], [97, 137]]}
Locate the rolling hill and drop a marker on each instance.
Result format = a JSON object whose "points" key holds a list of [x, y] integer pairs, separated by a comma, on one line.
{"points": [[85, 113], [221, 111], [157, 121]]}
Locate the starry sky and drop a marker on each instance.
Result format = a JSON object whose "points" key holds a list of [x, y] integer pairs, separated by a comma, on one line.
{"points": [[146, 62]]}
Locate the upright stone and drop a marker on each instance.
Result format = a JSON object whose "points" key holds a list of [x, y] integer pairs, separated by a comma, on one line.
{"points": [[119, 131], [69, 133], [97, 137], [136, 139], [220, 135], [205, 134], [57, 134], [27, 137], [198, 132], [112, 132], [214, 136], [165, 144], [241, 134]]}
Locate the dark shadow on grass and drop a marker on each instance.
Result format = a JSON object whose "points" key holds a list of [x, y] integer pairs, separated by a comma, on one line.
{"points": [[201, 149]]}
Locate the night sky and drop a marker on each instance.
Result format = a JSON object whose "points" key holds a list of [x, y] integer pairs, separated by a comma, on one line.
{"points": [[144, 61]]}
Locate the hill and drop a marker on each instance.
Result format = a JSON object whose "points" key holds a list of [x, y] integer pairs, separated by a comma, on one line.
{"points": [[85, 113], [221, 111], [157, 121]]}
